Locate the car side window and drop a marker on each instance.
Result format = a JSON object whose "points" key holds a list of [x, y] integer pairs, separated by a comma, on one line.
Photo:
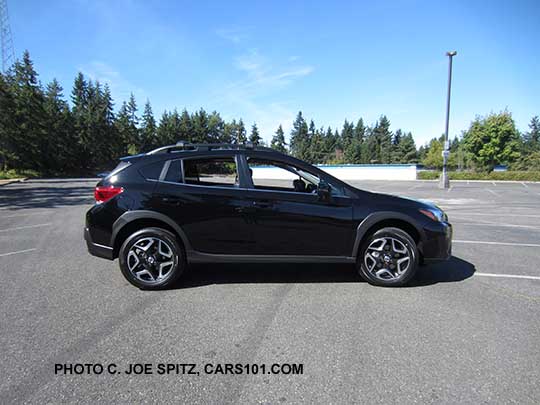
{"points": [[279, 176], [174, 173], [151, 171], [219, 171]]}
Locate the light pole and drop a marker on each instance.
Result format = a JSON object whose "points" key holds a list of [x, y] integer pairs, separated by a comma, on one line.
{"points": [[445, 183]]}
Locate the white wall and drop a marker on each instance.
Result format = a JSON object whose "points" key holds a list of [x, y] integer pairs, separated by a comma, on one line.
{"points": [[346, 172]]}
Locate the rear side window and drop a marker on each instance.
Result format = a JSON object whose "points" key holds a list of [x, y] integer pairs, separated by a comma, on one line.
{"points": [[121, 166], [211, 172], [174, 174], [151, 171]]}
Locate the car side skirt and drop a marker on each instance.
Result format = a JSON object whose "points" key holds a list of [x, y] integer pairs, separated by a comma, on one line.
{"points": [[199, 257]]}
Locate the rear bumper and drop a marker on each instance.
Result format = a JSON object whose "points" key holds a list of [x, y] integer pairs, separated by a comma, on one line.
{"points": [[95, 249], [438, 243]]}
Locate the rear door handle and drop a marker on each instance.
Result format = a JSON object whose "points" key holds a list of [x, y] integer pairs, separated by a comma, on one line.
{"points": [[171, 201]]}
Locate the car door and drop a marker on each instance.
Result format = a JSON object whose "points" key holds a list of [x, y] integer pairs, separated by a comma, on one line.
{"points": [[203, 196], [294, 222]]}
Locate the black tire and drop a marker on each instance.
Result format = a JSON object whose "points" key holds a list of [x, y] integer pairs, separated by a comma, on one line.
{"points": [[388, 270], [163, 248]]}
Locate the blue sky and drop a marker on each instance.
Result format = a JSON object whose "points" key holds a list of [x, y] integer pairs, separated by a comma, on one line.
{"points": [[265, 60]]}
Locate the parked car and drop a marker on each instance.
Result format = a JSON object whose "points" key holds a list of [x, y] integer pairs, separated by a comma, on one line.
{"points": [[185, 203]]}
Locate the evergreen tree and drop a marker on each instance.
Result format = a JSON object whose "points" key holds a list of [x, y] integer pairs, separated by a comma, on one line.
{"points": [[126, 124], [79, 100], [185, 129], [148, 129], [278, 140], [29, 136], [299, 137], [58, 125], [229, 132], [113, 142], [215, 128], [318, 153], [407, 149], [353, 151], [383, 137], [396, 154], [531, 139], [329, 145], [371, 147], [254, 137], [241, 132], [347, 134], [8, 152], [134, 137], [163, 135], [200, 127]]}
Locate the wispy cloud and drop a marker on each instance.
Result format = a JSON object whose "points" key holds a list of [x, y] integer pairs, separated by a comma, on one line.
{"points": [[261, 92], [234, 34], [262, 76], [121, 88]]}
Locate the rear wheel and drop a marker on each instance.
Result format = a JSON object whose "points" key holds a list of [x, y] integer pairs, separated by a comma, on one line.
{"points": [[388, 257], [151, 259]]}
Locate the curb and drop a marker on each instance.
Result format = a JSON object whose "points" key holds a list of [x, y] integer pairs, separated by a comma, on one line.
{"points": [[5, 182]]}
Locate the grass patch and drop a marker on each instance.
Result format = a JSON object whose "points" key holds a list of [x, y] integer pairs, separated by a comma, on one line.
{"points": [[498, 176], [17, 174]]}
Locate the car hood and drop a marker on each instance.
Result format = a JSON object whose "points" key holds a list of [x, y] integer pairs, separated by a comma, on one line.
{"points": [[403, 201]]}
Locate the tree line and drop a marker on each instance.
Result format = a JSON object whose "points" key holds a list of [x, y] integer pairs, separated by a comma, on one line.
{"points": [[40, 130], [489, 141]]}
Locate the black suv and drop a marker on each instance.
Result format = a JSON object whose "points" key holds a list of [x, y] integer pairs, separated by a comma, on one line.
{"points": [[189, 203]]}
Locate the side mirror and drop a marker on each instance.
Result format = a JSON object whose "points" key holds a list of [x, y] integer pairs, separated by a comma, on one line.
{"points": [[324, 191]]}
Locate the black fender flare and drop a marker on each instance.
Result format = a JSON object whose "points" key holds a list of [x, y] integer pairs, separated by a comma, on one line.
{"points": [[379, 216], [131, 216]]}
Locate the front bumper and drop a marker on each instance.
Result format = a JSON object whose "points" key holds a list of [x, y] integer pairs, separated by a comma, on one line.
{"points": [[95, 249], [438, 243]]}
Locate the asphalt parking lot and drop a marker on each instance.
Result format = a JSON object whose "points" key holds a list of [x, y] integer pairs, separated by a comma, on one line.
{"points": [[467, 330]]}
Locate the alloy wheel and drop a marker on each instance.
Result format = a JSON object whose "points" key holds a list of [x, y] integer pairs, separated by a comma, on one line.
{"points": [[387, 258], [151, 260]]}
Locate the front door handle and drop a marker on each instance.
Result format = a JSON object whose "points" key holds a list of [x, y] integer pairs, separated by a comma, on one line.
{"points": [[262, 204]]}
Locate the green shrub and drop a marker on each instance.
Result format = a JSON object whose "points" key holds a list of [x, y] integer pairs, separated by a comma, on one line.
{"points": [[428, 175], [499, 176], [16, 174]]}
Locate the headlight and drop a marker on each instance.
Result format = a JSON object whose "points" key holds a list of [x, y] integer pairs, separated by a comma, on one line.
{"points": [[434, 214]]}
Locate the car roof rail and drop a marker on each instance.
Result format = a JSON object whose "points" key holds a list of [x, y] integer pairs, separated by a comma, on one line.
{"points": [[188, 146]]}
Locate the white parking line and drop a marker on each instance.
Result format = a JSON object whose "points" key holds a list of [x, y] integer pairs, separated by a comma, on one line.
{"points": [[24, 227], [456, 213], [16, 252], [25, 215], [498, 225], [507, 276], [524, 185], [481, 242]]}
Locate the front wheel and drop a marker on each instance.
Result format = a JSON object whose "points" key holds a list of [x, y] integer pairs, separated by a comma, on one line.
{"points": [[151, 259], [388, 258]]}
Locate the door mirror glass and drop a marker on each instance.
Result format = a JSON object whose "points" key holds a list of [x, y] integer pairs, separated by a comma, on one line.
{"points": [[324, 191]]}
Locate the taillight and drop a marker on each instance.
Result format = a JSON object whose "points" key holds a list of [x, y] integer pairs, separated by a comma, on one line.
{"points": [[102, 193]]}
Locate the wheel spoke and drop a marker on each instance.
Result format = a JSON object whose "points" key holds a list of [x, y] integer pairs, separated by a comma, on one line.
{"points": [[164, 250], [144, 272], [163, 266], [404, 261], [386, 272], [373, 261]]}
